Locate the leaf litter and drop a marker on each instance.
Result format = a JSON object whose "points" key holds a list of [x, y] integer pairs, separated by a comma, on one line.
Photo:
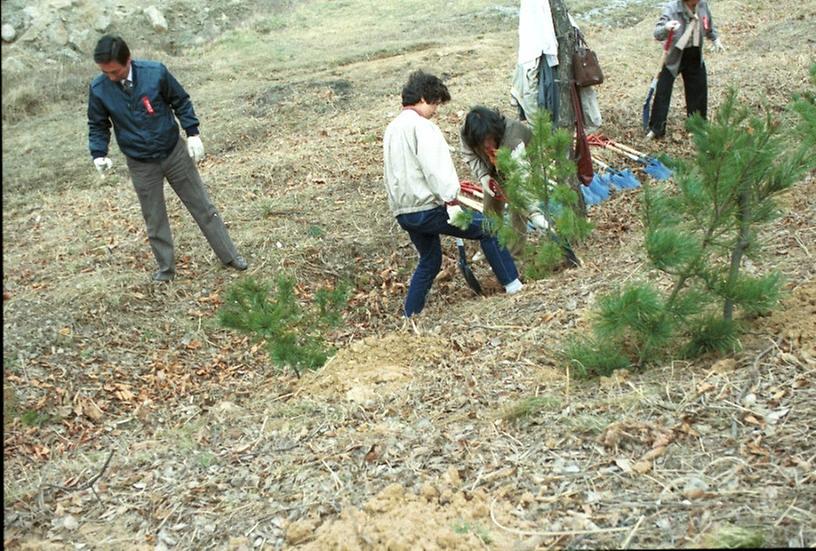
{"points": [[403, 439]]}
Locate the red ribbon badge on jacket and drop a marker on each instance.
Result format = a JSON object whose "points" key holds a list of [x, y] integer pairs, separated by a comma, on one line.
{"points": [[148, 106]]}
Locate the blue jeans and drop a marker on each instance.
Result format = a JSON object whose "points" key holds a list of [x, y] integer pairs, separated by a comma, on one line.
{"points": [[424, 228]]}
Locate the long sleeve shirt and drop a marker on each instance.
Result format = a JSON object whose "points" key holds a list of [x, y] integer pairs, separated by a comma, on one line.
{"points": [[675, 10], [144, 118], [419, 171], [483, 170], [536, 32]]}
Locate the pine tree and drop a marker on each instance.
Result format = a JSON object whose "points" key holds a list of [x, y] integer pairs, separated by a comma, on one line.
{"points": [[536, 181], [293, 334], [698, 234]]}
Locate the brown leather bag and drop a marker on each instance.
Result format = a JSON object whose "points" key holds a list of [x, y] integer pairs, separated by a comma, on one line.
{"points": [[582, 155], [585, 68]]}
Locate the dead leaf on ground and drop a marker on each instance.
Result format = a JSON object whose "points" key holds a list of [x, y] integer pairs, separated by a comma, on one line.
{"points": [[643, 466]]}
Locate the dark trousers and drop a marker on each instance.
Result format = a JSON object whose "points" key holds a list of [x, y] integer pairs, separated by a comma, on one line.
{"points": [[424, 228], [182, 174], [695, 83]]}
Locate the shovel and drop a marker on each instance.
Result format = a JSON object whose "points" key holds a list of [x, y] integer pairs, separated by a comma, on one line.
{"points": [[590, 197], [600, 186], [651, 166], [618, 179], [464, 267], [647, 105]]}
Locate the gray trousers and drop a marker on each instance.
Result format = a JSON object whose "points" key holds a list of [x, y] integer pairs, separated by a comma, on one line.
{"points": [[182, 174]]}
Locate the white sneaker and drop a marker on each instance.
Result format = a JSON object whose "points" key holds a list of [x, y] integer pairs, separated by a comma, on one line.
{"points": [[513, 287], [650, 135]]}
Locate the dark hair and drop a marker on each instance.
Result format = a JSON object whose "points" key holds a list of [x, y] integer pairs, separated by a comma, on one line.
{"points": [[480, 123], [421, 86], [111, 48]]}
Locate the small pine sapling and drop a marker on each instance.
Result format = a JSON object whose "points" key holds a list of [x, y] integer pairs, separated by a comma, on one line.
{"points": [[536, 182], [698, 234], [293, 333]]}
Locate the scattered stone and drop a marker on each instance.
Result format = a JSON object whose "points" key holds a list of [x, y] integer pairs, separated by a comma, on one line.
{"points": [[695, 488], [57, 34], [429, 492], [156, 18], [33, 14], [70, 523], [8, 33], [300, 531], [228, 408], [102, 23]]}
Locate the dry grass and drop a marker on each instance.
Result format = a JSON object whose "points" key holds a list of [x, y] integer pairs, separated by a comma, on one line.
{"points": [[215, 448]]}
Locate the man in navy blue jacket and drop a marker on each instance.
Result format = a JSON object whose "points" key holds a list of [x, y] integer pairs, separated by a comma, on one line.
{"points": [[142, 101]]}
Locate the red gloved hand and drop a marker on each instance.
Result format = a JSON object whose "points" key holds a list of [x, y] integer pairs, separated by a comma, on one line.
{"points": [[495, 190]]}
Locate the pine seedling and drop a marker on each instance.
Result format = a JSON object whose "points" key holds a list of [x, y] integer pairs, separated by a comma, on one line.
{"points": [[293, 333], [591, 356], [536, 180], [699, 234]]}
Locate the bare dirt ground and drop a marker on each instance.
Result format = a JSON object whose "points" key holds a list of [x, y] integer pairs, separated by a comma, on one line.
{"points": [[461, 432]]}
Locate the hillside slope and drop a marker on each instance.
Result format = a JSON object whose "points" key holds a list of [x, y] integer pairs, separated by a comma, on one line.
{"points": [[461, 432]]}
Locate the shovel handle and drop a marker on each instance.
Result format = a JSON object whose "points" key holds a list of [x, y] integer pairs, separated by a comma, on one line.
{"points": [[470, 202], [631, 150], [607, 144], [667, 45], [471, 188], [602, 140], [666, 48], [600, 163]]}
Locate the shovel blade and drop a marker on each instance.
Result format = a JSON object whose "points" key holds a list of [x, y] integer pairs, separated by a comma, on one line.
{"points": [[624, 179], [590, 198], [467, 272], [647, 105], [600, 186], [657, 170]]}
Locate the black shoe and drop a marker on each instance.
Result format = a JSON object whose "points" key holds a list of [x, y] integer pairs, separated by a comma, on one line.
{"points": [[238, 263], [163, 277]]}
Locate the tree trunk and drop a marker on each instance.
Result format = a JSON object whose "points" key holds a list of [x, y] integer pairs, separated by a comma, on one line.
{"points": [[744, 238], [566, 113], [566, 46]]}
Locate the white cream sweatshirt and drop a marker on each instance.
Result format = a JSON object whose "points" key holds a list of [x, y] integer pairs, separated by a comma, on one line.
{"points": [[419, 170]]}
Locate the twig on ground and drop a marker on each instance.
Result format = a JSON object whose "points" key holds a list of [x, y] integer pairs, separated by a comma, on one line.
{"points": [[170, 514], [88, 484], [550, 533], [625, 544], [338, 484], [754, 374], [631, 273], [799, 241], [499, 327], [261, 435], [781, 518]]}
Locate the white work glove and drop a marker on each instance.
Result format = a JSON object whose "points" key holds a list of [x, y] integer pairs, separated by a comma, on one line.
{"points": [[453, 212], [102, 164], [718, 46], [195, 148], [672, 25], [538, 220], [519, 154]]}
